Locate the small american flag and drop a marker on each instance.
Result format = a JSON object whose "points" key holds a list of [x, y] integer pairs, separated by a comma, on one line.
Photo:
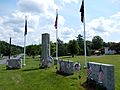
{"points": [[89, 70], [101, 74]]}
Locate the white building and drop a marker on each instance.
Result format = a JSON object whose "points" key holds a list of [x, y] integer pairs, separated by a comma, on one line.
{"points": [[109, 51]]}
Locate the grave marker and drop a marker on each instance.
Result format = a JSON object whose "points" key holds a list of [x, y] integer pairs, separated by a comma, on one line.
{"points": [[108, 71]]}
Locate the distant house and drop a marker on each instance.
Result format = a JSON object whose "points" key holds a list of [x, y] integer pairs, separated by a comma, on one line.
{"points": [[109, 51]]}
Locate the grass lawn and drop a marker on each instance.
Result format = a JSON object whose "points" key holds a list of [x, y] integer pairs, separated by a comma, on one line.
{"points": [[31, 77]]}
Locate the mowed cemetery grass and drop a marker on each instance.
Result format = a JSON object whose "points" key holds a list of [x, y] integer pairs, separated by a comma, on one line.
{"points": [[31, 77]]}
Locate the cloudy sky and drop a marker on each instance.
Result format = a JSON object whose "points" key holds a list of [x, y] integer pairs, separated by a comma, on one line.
{"points": [[102, 18]]}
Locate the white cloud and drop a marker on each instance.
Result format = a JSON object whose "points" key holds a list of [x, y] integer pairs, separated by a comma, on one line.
{"points": [[41, 17], [36, 6], [69, 1], [66, 34], [104, 26], [40, 13], [116, 2]]}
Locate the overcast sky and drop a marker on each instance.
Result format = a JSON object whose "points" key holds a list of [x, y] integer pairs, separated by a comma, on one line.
{"points": [[102, 18]]}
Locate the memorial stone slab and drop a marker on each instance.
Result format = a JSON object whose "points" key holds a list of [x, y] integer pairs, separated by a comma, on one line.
{"points": [[14, 63], [108, 71], [66, 67]]}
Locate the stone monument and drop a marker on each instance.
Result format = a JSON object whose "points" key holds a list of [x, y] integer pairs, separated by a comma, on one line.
{"points": [[45, 60]]}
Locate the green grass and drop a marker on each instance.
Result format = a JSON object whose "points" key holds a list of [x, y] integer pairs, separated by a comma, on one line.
{"points": [[31, 77]]}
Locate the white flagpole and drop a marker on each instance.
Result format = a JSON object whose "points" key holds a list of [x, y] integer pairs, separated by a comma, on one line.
{"points": [[25, 39], [56, 26], [84, 37], [56, 44], [24, 49], [85, 44]]}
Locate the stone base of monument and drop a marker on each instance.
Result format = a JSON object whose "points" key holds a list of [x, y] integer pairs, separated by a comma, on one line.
{"points": [[55, 62], [14, 63], [66, 67], [45, 64]]}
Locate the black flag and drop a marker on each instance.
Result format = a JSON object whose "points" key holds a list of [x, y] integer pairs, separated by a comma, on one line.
{"points": [[82, 11], [25, 25], [56, 21]]}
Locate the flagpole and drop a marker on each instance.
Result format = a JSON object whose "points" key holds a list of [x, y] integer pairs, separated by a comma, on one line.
{"points": [[56, 44], [56, 27], [24, 49], [83, 21], [25, 39], [85, 44]]}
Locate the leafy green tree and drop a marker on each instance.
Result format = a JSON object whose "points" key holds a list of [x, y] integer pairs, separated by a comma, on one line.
{"points": [[80, 41], [62, 48], [88, 47], [52, 49], [33, 50], [116, 47], [73, 47], [97, 42]]}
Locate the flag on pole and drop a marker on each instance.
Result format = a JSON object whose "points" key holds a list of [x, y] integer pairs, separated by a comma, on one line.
{"points": [[25, 25], [56, 21], [89, 70], [101, 74], [82, 11]]}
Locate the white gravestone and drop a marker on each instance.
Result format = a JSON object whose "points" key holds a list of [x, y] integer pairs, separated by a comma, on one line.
{"points": [[108, 71]]}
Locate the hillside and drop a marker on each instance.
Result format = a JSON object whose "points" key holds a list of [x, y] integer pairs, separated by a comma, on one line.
{"points": [[4, 49]]}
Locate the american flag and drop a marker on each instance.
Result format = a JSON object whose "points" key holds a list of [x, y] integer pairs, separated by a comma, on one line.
{"points": [[89, 70], [101, 74]]}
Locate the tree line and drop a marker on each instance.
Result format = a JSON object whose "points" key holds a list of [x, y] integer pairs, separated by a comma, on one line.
{"points": [[74, 47], [5, 49]]}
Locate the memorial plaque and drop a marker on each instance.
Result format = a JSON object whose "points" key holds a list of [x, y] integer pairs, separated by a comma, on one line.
{"points": [[108, 71], [66, 67], [14, 63]]}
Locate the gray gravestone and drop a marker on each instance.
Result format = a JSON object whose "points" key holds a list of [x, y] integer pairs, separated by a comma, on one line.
{"points": [[66, 67], [14, 63], [108, 71], [45, 61]]}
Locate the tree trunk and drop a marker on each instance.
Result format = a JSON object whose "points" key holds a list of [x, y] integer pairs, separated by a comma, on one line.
{"points": [[72, 55]]}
